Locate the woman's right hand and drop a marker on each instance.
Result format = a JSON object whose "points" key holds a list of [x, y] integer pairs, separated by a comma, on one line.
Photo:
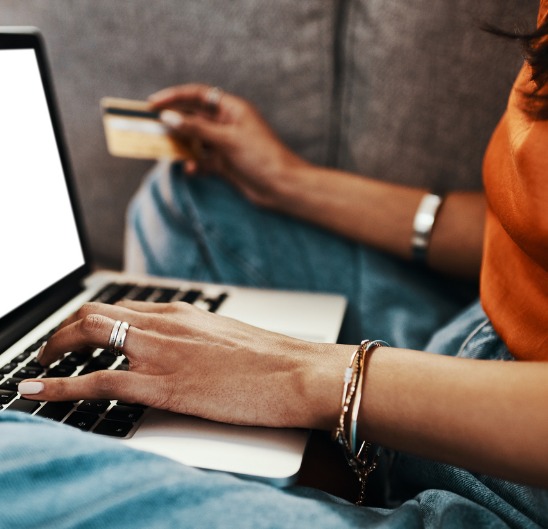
{"points": [[187, 360], [237, 142]]}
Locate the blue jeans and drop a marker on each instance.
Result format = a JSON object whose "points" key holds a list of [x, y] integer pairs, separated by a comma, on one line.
{"points": [[202, 229], [56, 477]]}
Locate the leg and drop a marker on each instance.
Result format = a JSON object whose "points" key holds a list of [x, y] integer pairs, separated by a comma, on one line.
{"points": [[54, 476], [57, 477], [202, 229]]}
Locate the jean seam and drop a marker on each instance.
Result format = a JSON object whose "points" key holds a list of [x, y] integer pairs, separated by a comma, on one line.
{"points": [[472, 335], [202, 234]]}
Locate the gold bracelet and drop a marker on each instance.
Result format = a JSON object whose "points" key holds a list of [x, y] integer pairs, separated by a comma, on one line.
{"points": [[371, 346], [356, 458]]}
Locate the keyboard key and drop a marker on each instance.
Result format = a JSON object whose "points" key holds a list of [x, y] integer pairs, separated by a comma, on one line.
{"points": [[8, 368], [22, 357], [112, 293], [34, 363], [94, 406], [36, 345], [75, 359], [29, 372], [55, 411], [166, 295], [6, 396], [215, 303], [132, 404], [26, 406], [106, 355], [113, 428], [103, 361], [124, 413], [83, 421], [191, 296], [10, 384], [60, 371], [142, 294]]}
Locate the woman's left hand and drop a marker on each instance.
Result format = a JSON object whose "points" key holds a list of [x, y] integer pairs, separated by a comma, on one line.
{"points": [[187, 360], [238, 144]]}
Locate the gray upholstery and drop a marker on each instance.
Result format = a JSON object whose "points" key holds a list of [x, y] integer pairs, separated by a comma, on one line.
{"points": [[423, 87], [359, 84]]}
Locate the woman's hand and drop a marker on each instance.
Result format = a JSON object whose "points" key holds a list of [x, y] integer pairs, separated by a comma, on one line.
{"points": [[477, 414], [190, 361], [237, 143], [241, 147]]}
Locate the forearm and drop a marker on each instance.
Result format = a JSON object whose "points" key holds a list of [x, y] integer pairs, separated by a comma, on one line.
{"points": [[381, 214], [486, 416]]}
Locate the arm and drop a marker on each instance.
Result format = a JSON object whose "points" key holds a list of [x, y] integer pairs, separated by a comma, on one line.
{"points": [[243, 149], [381, 215], [486, 416]]}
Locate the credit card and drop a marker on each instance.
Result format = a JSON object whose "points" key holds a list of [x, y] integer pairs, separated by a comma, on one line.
{"points": [[133, 130]]}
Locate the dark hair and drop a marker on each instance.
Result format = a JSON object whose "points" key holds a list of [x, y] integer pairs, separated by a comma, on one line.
{"points": [[535, 51]]}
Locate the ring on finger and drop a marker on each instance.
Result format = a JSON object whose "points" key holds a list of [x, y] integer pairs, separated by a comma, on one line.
{"points": [[213, 96], [114, 333], [118, 337]]}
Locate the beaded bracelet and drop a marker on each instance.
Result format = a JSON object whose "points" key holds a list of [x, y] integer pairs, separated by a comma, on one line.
{"points": [[357, 458]]}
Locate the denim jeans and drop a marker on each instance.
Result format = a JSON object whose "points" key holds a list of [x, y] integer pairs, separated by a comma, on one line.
{"points": [[201, 228], [54, 476]]}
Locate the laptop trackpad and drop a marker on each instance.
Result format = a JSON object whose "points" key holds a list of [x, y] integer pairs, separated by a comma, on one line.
{"points": [[267, 454]]}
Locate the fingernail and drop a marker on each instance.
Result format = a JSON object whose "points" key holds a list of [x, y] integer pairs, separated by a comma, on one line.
{"points": [[172, 118], [30, 388], [41, 351]]}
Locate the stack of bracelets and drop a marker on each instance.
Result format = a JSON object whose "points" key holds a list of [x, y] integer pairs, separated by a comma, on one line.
{"points": [[346, 431]]}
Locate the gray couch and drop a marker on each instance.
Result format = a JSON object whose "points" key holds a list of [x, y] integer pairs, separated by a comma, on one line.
{"points": [[403, 91]]}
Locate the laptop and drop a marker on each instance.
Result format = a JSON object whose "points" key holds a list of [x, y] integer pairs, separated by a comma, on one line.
{"points": [[46, 273]]}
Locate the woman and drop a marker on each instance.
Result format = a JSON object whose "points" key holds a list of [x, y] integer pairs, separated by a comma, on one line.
{"points": [[475, 423]]}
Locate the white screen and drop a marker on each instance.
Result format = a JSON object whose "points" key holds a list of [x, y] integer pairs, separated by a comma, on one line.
{"points": [[39, 242]]}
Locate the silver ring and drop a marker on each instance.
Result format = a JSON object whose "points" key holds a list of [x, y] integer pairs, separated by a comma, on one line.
{"points": [[118, 346], [118, 337], [213, 96], [114, 333]]}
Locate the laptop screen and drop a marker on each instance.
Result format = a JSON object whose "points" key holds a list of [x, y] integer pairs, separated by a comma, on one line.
{"points": [[39, 239]]}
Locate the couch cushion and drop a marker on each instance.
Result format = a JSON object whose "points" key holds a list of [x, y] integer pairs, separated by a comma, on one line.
{"points": [[422, 87], [278, 54]]}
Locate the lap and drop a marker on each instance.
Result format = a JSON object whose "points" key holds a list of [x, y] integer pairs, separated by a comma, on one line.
{"points": [[55, 476], [58, 477], [202, 229]]}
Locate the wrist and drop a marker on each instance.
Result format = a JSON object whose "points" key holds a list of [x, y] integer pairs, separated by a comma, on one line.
{"points": [[293, 183], [320, 386]]}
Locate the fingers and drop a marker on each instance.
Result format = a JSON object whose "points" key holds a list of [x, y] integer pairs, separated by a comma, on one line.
{"points": [[152, 307], [92, 330], [195, 126], [113, 385], [91, 327], [199, 95], [115, 312], [197, 111], [189, 93]]}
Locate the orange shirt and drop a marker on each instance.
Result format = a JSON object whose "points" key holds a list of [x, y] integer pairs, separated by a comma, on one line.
{"points": [[514, 279]]}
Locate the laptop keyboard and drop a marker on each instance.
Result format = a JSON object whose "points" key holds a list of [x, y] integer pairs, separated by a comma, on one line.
{"points": [[106, 417]]}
